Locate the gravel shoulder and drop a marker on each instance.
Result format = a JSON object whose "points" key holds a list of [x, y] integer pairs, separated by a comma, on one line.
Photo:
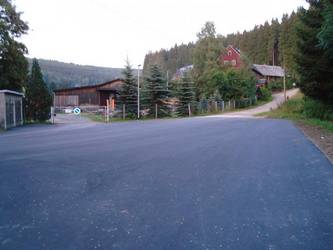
{"points": [[322, 138]]}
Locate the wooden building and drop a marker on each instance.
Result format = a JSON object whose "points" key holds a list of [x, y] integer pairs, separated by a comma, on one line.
{"points": [[11, 109], [231, 57], [267, 73], [94, 95]]}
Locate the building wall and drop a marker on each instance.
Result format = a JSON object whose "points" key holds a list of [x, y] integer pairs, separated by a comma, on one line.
{"points": [[90, 95], [10, 110], [231, 57], [2, 110]]}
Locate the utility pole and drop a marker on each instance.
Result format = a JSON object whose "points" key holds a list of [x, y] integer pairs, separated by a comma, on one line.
{"points": [[138, 91], [284, 84]]}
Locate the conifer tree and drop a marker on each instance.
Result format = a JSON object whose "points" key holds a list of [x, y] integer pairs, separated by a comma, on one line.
{"points": [[326, 33], [128, 94], [185, 95], [156, 93], [38, 99], [314, 66]]}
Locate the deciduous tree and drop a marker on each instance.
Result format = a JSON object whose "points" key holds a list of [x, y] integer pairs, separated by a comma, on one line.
{"points": [[13, 65]]}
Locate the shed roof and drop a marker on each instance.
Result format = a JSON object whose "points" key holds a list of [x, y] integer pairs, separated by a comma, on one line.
{"points": [[268, 70], [116, 86], [7, 91]]}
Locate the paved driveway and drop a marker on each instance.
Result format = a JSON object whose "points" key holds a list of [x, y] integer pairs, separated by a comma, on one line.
{"points": [[70, 119], [208, 183]]}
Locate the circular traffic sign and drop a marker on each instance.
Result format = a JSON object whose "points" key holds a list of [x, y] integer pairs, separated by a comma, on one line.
{"points": [[77, 111]]}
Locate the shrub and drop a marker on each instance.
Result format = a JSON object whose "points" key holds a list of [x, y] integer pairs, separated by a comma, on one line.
{"points": [[277, 85], [316, 109], [264, 94]]}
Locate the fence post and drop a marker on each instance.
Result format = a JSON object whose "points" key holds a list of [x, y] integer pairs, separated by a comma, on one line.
{"points": [[124, 115], [222, 103], [155, 110], [52, 115], [107, 113], [189, 109]]}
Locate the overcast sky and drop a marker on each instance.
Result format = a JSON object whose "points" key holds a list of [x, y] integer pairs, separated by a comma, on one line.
{"points": [[105, 32]]}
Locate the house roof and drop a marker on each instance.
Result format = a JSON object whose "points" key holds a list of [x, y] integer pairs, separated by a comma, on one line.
{"points": [[235, 49], [6, 91], [268, 70], [116, 85]]}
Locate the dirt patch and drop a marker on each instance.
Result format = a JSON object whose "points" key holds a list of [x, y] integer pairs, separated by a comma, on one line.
{"points": [[320, 137]]}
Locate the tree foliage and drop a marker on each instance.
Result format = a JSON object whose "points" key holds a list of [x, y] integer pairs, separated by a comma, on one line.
{"points": [[185, 94], [170, 60], [206, 54], [68, 75], [38, 99], [128, 94], [13, 65], [315, 67], [326, 33], [156, 93], [273, 42], [229, 83]]}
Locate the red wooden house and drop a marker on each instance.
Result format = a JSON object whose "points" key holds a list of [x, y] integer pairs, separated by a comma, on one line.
{"points": [[231, 57]]}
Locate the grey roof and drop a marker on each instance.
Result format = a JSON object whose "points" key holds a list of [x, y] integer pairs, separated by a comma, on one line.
{"points": [[6, 91], [268, 70]]}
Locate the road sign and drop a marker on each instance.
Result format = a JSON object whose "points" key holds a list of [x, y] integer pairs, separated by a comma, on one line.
{"points": [[77, 111]]}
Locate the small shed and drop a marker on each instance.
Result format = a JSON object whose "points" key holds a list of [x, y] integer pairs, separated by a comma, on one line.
{"points": [[96, 95], [11, 109]]}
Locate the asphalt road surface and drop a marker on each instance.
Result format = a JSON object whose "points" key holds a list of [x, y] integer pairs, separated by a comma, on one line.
{"points": [[199, 183]]}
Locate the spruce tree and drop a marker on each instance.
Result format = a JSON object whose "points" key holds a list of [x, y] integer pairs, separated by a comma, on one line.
{"points": [[38, 99], [186, 96], [314, 66], [156, 93], [128, 94], [326, 33]]}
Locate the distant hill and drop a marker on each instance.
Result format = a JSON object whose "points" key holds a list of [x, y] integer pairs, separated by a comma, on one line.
{"points": [[64, 75]]}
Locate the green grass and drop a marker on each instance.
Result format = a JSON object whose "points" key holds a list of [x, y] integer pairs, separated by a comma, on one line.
{"points": [[94, 117], [294, 110]]}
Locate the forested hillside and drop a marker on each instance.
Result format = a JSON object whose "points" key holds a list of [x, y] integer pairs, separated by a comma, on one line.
{"points": [[271, 43], [62, 75], [172, 59]]}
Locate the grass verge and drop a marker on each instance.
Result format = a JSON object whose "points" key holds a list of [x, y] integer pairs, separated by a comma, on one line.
{"points": [[294, 110]]}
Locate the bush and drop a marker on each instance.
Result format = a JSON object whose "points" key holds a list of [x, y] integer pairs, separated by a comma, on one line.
{"points": [[264, 94], [316, 109], [277, 85]]}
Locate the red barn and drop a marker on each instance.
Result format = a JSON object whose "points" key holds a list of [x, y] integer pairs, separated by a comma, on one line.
{"points": [[231, 57]]}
